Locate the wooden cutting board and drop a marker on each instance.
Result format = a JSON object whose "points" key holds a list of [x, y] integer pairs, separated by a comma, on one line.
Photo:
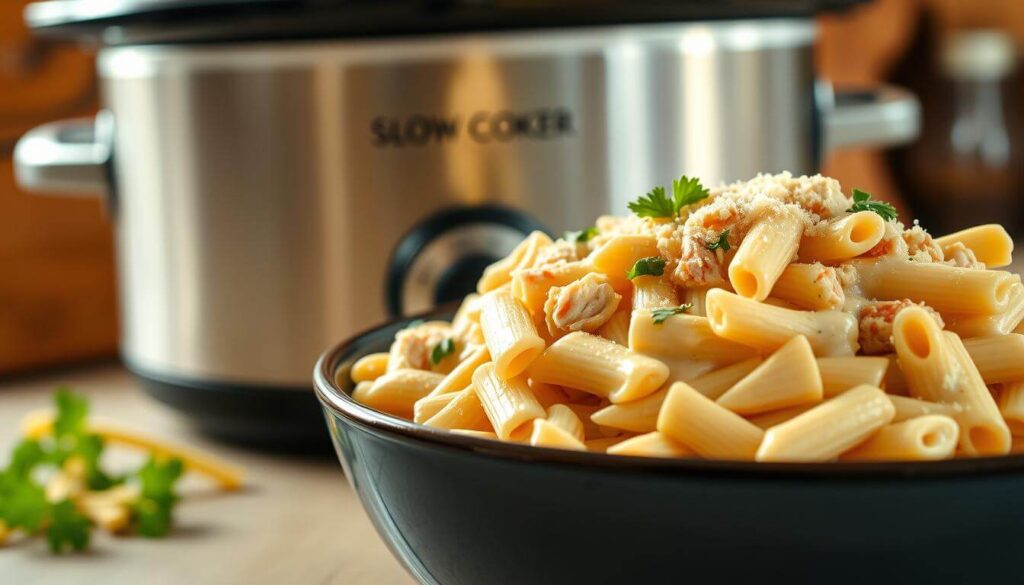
{"points": [[57, 291]]}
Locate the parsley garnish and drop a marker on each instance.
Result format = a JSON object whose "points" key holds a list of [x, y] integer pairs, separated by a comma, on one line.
{"points": [[442, 349], [862, 202], [656, 203], [23, 502], [659, 315], [722, 243], [581, 236], [652, 266], [152, 511]]}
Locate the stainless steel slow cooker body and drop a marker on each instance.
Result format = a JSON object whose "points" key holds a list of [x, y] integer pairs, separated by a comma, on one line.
{"points": [[271, 198]]}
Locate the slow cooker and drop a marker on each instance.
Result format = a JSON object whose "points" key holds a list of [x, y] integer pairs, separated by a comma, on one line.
{"points": [[284, 173]]}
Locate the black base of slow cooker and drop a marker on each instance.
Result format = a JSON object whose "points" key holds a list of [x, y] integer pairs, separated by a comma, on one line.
{"points": [[267, 418]]}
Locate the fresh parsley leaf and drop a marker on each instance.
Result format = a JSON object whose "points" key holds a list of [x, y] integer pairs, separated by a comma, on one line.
{"points": [[72, 409], [26, 456], [580, 236], [687, 191], [442, 349], [71, 438], [153, 509], [659, 315], [651, 266], [23, 504], [68, 529], [862, 202], [722, 243], [656, 203]]}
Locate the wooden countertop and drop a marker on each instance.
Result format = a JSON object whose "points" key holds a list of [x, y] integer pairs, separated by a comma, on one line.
{"points": [[297, 521]]}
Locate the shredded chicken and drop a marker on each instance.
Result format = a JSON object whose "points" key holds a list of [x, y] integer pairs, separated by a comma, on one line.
{"points": [[892, 244], [582, 305], [560, 251], [412, 346], [920, 245], [876, 324], [963, 257]]}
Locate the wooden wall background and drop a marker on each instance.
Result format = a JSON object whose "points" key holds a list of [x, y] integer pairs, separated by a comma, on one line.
{"points": [[57, 281]]}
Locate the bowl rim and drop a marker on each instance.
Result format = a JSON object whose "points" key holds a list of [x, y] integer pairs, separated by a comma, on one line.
{"points": [[339, 402]]}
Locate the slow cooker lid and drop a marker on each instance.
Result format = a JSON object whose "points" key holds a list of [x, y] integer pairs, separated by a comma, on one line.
{"points": [[133, 21]]}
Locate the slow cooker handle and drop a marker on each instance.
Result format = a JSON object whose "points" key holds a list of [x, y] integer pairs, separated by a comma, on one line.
{"points": [[880, 116], [67, 156]]}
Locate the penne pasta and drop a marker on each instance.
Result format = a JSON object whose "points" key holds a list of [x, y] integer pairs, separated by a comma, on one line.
{"points": [[508, 403], [764, 253], [476, 434], [839, 374], [564, 418], [944, 288], [788, 377], [600, 367], [653, 292], [924, 438], [462, 375], [829, 429], [765, 328], [592, 429], [684, 339], [938, 369], [369, 368], [712, 431], [999, 358], [548, 394], [713, 384], [397, 392], [429, 405], [907, 408], [464, 411], [522, 256], [842, 238], [769, 419], [651, 445], [990, 243], [618, 255], [510, 334], [1011, 406], [985, 325], [638, 416], [617, 328], [895, 382], [604, 443], [695, 297], [547, 434], [814, 287]]}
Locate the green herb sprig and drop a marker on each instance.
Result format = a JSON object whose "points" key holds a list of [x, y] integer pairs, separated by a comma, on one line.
{"points": [[650, 266], [659, 315], [441, 350], [580, 237], [722, 243], [657, 203], [862, 202]]}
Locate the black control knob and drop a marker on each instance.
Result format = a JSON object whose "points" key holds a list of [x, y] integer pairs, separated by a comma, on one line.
{"points": [[441, 259]]}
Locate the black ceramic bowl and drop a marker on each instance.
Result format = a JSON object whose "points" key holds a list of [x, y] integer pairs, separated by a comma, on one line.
{"points": [[458, 510]]}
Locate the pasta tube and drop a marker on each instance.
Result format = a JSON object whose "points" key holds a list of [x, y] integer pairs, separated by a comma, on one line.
{"points": [[617, 328], [1011, 406], [369, 367], [925, 438], [938, 369], [829, 429], [766, 328], [846, 237], [788, 377], [547, 434], [768, 420], [600, 367], [638, 416], [508, 403], [591, 429], [651, 445], [764, 253], [522, 256], [984, 325], [653, 292], [547, 394], [564, 418], [710, 430], [396, 392], [510, 334], [990, 243], [696, 297], [839, 374], [999, 358], [462, 374], [908, 408], [619, 254], [814, 287], [430, 405], [686, 338], [604, 443], [464, 411], [895, 382], [944, 288]]}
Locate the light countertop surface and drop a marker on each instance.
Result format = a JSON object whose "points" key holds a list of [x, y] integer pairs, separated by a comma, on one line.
{"points": [[296, 521]]}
